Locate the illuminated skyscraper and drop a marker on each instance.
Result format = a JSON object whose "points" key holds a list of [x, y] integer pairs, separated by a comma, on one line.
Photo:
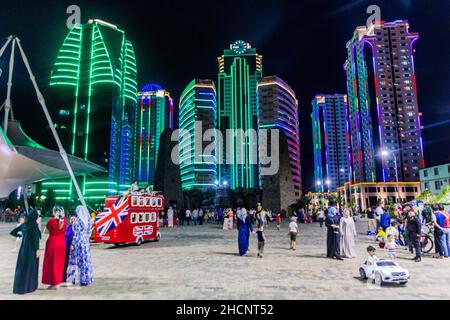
{"points": [[154, 114], [197, 105], [240, 69], [94, 77], [330, 141], [381, 87], [278, 109]]}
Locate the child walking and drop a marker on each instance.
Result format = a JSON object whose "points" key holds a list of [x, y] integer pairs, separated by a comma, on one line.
{"points": [[261, 239], [391, 247], [278, 220], [293, 230]]}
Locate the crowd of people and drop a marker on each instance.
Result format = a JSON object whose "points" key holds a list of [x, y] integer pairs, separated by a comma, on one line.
{"points": [[67, 257]]}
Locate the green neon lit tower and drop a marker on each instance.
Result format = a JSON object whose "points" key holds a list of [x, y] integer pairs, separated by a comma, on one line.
{"points": [[154, 114], [240, 69], [197, 104], [94, 78]]}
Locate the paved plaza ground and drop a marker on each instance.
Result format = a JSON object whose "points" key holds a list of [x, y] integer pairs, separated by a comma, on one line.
{"points": [[201, 262]]}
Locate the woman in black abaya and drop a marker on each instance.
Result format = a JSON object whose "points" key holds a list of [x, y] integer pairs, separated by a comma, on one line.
{"points": [[27, 267]]}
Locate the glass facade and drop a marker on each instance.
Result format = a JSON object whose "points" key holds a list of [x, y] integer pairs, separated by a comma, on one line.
{"points": [[198, 110], [240, 69]]}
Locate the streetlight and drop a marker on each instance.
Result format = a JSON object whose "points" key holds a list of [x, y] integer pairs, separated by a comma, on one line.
{"points": [[328, 182], [216, 182], [319, 183], [386, 153], [225, 183]]}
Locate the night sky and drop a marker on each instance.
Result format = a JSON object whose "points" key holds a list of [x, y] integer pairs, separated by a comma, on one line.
{"points": [[303, 42]]}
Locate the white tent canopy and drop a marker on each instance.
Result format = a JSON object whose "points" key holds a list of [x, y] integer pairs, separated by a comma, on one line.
{"points": [[23, 161]]}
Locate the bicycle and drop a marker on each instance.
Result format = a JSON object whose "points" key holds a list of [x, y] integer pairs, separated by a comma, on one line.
{"points": [[426, 239]]}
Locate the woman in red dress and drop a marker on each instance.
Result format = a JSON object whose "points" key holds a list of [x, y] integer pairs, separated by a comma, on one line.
{"points": [[55, 249]]}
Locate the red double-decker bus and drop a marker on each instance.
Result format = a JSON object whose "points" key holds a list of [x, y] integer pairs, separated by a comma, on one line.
{"points": [[129, 219]]}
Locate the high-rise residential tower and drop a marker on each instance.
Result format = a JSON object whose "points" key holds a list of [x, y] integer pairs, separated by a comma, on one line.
{"points": [[154, 114], [384, 113], [240, 69], [331, 141], [198, 114], [94, 80], [278, 109]]}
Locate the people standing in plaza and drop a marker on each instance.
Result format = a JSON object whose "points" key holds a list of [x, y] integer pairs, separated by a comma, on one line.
{"points": [[245, 227], [333, 234], [348, 234], [278, 220], [55, 249], [219, 216], [230, 219], [413, 230], [320, 216], [79, 270], [195, 216], [293, 231], [393, 230], [225, 221], [446, 227], [188, 216], [27, 266], [439, 232], [385, 220], [261, 240], [391, 247], [170, 217], [68, 239], [378, 212], [371, 222]]}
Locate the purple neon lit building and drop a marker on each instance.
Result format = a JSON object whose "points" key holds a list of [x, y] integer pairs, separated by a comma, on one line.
{"points": [[278, 109], [382, 93]]}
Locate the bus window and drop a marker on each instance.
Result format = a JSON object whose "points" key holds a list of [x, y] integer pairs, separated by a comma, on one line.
{"points": [[159, 202], [148, 202], [141, 217], [147, 217], [134, 201], [153, 217], [141, 202], [133, 218]]}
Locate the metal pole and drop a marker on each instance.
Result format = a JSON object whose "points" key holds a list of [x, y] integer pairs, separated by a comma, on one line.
{"points": [[50, 122], [9, 84], [396, 177]]}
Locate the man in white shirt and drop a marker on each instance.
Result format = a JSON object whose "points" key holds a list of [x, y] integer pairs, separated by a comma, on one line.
{"points": [[378, 212], [188, 216]]}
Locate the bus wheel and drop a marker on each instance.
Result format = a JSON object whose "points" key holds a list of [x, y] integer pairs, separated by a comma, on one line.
{"points": [[158, 236], [139, 241], [116, 244]]}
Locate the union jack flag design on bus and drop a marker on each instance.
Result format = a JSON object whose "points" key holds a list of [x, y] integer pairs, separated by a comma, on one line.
{"points": [[112, 217], [142, 230]]}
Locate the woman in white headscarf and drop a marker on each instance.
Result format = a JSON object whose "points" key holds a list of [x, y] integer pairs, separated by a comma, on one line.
{"points": [[170, 217], [348, 234], [79, 270]]}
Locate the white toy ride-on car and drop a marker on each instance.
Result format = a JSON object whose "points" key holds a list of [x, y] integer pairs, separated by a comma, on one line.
{"points": [[384, 271]]}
